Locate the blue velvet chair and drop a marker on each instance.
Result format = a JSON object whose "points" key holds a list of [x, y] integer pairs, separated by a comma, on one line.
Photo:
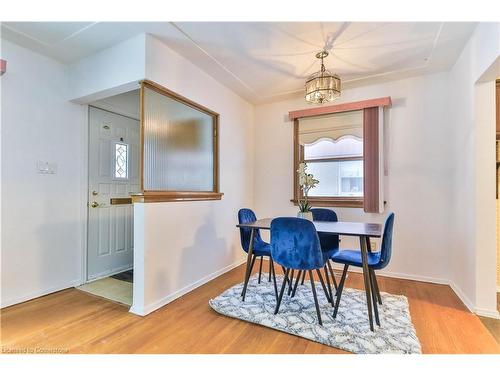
{"points": [[295, 246], [260, 247], [376, 261], [329, 242]]}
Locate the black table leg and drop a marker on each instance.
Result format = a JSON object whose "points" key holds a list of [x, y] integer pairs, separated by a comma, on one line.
{"points": [[374, 298], [328, 284], [366, 278], [260, 269], [249, 263], [339, 290], [374, 278]]}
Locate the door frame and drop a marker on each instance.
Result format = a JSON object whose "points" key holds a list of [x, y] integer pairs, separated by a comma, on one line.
{"points": [[85, 136]]}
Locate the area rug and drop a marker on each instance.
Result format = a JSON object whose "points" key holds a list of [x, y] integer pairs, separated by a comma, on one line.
{"points": [[297, 316]]}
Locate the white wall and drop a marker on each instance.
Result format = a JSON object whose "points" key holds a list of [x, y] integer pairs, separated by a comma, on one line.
{"points": [[112, 71], [419, 162], [473, 198], [187, 243], [42, 234]]}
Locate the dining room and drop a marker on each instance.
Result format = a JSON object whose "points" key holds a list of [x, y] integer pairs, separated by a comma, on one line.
{"points": [[270, 187]]}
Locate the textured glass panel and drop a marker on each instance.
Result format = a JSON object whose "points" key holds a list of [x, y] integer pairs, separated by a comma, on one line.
{"points": [[337, 178], [121, 160], [178, 145]]}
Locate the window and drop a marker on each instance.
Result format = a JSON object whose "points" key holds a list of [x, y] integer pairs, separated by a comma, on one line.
{"points": [[338, 165], [332, 147], [343, 147], [121, 160], [180, 147]]}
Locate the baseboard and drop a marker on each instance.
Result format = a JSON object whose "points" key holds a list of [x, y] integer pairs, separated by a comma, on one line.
{"points": [[173, 296], [461, 295], [494, 314], [398, 275], [29, 296]]}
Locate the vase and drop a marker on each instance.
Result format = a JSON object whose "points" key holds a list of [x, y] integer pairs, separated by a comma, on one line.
{"points": [[305, 215]]}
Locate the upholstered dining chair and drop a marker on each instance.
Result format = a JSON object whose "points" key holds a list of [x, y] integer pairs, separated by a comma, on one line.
{"points": [[329, 242], [261, 248], [295, 246], [376, 261]]}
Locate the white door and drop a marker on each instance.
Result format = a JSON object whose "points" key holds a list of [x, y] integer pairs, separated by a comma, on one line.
{"points": [[113, 174]]}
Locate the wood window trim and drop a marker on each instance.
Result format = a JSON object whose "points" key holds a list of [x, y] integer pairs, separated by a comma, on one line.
{"points": [[154, 196], [367, 106], [344, 107], [175, 196]]}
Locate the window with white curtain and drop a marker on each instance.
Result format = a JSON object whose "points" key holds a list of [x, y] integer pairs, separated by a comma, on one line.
{"points": [[332, 147]]}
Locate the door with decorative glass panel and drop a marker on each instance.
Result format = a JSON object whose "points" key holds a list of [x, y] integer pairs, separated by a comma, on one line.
{"points": [[114, 148]]}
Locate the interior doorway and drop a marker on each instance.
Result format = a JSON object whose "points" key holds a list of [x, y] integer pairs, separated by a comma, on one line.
{"points": [[113, 174]]}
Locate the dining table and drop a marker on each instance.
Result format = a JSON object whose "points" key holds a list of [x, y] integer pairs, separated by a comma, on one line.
{"points": [[364, 231]]}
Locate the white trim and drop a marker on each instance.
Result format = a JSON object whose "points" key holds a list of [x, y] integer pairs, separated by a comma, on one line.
{"points": [[494, 314], [163, 301], [84, 193], [461, 295], [30, 296], [405, 276]]}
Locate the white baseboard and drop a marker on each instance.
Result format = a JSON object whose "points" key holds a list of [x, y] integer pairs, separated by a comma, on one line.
{"points": [[398, 275], [40, 293], [494, 314], [143, 311], [461, 295]]}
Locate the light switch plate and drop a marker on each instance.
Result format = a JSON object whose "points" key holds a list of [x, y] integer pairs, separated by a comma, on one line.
{"points": [[44, 167]]}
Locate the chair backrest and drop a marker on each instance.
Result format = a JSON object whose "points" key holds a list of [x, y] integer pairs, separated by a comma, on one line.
{"points": [[324, 214], [386, 248], [328, 241], [295, 244], [246, 215]]}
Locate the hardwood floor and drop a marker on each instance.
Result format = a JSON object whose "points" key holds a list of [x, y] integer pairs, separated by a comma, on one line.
{"points": [[493, 325], [75, 322]]}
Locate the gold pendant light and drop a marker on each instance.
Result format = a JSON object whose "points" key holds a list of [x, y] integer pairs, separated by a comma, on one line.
{"points": [[322, 86]]}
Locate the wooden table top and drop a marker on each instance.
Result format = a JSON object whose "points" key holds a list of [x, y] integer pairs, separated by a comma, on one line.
{"points": [[335, 227]]}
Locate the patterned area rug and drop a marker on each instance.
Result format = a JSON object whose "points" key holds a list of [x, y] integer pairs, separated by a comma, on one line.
{"points": [[297, 316]]}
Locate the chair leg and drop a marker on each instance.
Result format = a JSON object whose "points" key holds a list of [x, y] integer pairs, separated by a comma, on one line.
{"points": [[297, 279], [251, 269], [315, 298], [339, 290], [375, 284], [274, 278], [374, 298], [328, 284], [280, 297], [270, 265], [303, 278], [260, 269], [333, 275], [327, 295], [291, 282]]}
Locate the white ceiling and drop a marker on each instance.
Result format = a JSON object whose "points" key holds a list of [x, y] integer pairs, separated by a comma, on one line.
{"points": [[267, 61]]}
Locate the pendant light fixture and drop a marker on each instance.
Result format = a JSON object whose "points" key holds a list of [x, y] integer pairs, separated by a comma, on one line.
{"points": [[322, 86]]}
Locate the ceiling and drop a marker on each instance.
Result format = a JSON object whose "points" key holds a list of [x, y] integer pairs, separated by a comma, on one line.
{"points": [[266, 61]]}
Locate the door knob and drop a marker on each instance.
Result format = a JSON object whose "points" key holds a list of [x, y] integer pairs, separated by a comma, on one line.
{"points": [[94, 204]]}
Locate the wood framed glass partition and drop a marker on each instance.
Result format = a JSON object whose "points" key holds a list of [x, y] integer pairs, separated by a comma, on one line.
{"points": [[179, 148]]}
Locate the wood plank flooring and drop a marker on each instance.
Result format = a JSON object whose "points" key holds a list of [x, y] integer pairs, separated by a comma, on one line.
{"points": [[75, 322]]}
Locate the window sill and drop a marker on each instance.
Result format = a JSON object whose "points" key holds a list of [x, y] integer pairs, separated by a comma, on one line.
{"points": [[175, 196], [355, 202]]}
